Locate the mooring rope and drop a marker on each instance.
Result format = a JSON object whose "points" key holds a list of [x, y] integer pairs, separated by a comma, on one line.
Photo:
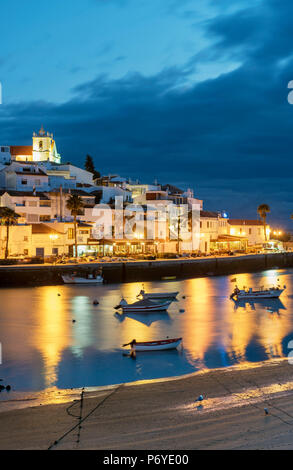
{"points": [[80, 416], [81, 420]]}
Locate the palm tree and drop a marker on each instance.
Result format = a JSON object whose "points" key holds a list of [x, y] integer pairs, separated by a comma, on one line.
{"points": [[8, 217], [262, 211], [74, 204]]}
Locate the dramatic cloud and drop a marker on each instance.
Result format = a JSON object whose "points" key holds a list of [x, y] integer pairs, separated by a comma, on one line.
{"points": [[229, 137]]}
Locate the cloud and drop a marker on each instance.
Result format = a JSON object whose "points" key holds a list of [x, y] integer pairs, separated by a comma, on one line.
{"points": [[229, 137]]}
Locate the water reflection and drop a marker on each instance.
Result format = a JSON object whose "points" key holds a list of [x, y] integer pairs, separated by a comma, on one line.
{"points": [[271, 305], [56, 337], [82, 317], [145, 318], [52, 328]]}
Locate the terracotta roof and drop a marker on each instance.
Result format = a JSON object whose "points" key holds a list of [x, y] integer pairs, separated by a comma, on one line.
{"points": [[244, 222], [230, 238], [23, 193], [209, 214], [172, 189], [44, 229], [21, 150], [83, 224]]}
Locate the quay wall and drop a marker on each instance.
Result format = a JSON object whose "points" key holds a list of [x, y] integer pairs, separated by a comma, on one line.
{"points": [[130, 271]]}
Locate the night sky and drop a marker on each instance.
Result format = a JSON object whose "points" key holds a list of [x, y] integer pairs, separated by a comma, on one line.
{"points": [[191, 93]]}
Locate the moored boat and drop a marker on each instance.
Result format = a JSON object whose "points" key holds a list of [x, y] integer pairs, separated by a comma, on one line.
{"points": [[73, 279], [261, 293], [161, 345], [143, 306], [157, 295]]}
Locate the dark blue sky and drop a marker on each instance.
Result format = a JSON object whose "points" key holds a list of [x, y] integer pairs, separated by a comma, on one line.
{"points": [[192, 93]]}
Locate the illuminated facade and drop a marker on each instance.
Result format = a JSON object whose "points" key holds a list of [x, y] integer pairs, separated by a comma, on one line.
{"points": [[43, 149], [252, 229]]}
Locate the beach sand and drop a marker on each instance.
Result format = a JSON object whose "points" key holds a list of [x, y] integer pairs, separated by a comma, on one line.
{"points": [[166, 416]]}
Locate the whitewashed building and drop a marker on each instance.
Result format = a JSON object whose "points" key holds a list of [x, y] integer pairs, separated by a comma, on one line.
{"points": [[5, 156], [253, 230]]}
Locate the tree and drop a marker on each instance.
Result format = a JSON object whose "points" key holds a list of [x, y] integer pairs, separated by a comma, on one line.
{"points": [[262, 211], [89, 166], [283, 237], [74, 204], [8, 217]]}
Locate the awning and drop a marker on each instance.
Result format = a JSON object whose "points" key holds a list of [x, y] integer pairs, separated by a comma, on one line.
{"points": [[231, 238], [104, 241]]}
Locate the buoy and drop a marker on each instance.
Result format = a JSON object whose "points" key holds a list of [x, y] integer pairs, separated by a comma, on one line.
{"points": [[183, 296], [200, 398], [266, 411], [95, 302], [181, 310], [59, 295], [8, 388], [2, 387], [73, 321]]}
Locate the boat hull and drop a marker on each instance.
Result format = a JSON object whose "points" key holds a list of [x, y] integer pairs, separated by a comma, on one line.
{"points": [[260, 295], [160, 296], [81, 280], [158, 345], [145, 309]]}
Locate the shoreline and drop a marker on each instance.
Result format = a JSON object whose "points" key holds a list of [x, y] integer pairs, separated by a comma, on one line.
{"points": [[55, 396], [148, 270], [165, 414]]}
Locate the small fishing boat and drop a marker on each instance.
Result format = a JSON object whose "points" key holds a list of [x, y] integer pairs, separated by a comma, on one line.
{"points": [[261, 293], [157, 295], [143, 306], [73, 279], [161, 345]]}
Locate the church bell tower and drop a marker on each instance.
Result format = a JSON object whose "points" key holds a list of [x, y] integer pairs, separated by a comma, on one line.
{"points": [[44, 147]]}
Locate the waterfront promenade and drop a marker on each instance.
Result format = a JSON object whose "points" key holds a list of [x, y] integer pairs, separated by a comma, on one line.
{"points": [[148, 270], [166, 415]]}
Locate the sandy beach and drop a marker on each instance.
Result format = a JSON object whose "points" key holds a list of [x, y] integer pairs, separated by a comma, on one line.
{"points": [[165, 415]]}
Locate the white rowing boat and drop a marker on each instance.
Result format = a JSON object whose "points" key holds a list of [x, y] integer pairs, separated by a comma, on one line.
{"points": [[161, 345], [143, 306], [73, 279], [261, 293], [157, 295]]}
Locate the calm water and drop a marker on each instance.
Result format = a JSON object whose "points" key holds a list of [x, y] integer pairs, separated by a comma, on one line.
{"points": [[42, 348]]}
